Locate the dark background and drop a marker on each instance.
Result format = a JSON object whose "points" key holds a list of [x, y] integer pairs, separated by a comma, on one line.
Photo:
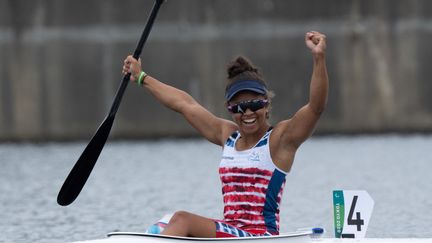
{"points": [[60, 62]]}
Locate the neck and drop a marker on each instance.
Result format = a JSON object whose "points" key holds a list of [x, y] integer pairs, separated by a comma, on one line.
{"points": [[247, 141]]}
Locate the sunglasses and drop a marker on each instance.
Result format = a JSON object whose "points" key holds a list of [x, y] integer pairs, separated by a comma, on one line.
{"points": [[252, 105]]}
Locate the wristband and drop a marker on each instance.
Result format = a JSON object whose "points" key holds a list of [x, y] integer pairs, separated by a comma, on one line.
{"points": [[141, 77]]}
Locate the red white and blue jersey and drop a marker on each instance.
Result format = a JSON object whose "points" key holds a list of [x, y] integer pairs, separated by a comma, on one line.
{"points": [[252, 186]]}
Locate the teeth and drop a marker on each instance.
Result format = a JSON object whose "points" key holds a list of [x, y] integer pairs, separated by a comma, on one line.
{"points": [[249, 121]]}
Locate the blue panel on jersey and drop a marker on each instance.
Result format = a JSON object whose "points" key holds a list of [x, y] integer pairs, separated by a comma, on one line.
{"points": [[271, 206]]}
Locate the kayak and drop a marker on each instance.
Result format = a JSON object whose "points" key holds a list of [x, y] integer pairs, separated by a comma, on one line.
{"points": [[133, 237], [300, 237], [350, 227]]}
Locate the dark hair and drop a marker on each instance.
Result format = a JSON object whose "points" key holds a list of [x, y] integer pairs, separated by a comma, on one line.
{"points": [[240, 68]]}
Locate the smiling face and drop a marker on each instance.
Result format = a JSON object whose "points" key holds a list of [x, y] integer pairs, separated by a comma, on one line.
{"points": [[250, 122]]}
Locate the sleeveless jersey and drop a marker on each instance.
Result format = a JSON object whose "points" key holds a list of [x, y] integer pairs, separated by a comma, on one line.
{"points": [[252, 186]]}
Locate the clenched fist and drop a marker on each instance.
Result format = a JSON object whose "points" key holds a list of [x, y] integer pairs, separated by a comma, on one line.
{"points": [[316, 42]]}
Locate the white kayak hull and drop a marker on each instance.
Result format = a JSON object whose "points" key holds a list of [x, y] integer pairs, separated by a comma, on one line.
{"points": [[131, 237], [298, 237]]}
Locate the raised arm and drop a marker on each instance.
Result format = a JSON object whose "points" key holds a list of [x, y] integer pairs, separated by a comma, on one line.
{"points": [[290, 134], [214, 129]]}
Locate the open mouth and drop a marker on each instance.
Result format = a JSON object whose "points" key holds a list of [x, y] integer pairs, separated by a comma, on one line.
{"points": [[249, 121]]}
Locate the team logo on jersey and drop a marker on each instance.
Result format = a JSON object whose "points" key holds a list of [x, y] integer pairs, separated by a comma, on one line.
{"points": [[254, 156]]}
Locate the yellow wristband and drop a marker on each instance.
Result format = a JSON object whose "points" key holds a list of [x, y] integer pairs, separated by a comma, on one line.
{"points": [[140, 80]]}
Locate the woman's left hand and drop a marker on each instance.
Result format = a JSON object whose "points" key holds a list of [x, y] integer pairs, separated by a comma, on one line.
{"points": [[316, 42]]}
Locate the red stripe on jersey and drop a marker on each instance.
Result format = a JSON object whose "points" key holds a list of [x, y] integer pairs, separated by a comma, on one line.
{"points": [[257, 209], [244, 193], [244, 179], [241, 188], [243, 198], [252, 171], [246, 216]]}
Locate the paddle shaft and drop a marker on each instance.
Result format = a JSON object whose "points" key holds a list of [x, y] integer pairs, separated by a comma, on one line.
{"points": [[79, 174], [136, 55]]}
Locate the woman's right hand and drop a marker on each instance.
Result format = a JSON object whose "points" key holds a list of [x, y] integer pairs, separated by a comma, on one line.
{"points": [[132, 66]]}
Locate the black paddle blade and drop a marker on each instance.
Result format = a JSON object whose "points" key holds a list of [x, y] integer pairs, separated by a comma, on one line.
{"points": [[81, 171]]}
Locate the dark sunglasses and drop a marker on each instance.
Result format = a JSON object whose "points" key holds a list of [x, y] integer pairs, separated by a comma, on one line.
{"points": [[252, 105]]}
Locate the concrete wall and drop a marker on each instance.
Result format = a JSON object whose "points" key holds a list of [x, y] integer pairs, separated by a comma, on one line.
{"points": [[60, 62]]}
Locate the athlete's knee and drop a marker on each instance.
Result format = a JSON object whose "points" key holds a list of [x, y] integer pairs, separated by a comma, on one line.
{"points": [[180, 217]]}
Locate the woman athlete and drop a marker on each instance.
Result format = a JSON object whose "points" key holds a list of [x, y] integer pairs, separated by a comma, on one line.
{"points": [[256, 156]]}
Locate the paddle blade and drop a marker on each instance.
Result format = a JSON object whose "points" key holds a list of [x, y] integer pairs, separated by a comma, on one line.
{"points": [[81, 171]]}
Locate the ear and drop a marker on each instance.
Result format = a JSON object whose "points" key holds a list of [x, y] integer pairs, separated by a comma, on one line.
{"points": [[268, 108]]}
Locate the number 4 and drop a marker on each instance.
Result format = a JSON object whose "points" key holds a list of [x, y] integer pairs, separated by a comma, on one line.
{"points": [[358, 221]]}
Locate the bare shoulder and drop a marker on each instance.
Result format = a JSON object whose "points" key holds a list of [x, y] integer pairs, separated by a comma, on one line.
{"points": [[282, 151], [229, 128], [281, 132]]}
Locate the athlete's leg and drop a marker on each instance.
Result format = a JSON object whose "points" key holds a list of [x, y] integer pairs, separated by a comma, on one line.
{"points": [[187, 224]]}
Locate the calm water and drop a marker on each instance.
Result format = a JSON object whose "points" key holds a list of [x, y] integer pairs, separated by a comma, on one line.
{"points": [[135, 183]]}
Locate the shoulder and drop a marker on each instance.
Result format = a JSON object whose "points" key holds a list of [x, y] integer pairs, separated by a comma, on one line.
{"points": [[281, 131], [282, 148], [229, 129], [291, 133]]}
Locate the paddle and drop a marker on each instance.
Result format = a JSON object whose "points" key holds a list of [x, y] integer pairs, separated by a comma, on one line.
{"points": [[83, 167]]}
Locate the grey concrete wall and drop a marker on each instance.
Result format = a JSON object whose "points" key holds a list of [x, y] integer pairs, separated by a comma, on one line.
{"points": [[60, 62]]}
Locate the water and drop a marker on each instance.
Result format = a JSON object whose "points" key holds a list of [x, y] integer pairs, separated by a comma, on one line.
{"points": [[136, 183]]}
